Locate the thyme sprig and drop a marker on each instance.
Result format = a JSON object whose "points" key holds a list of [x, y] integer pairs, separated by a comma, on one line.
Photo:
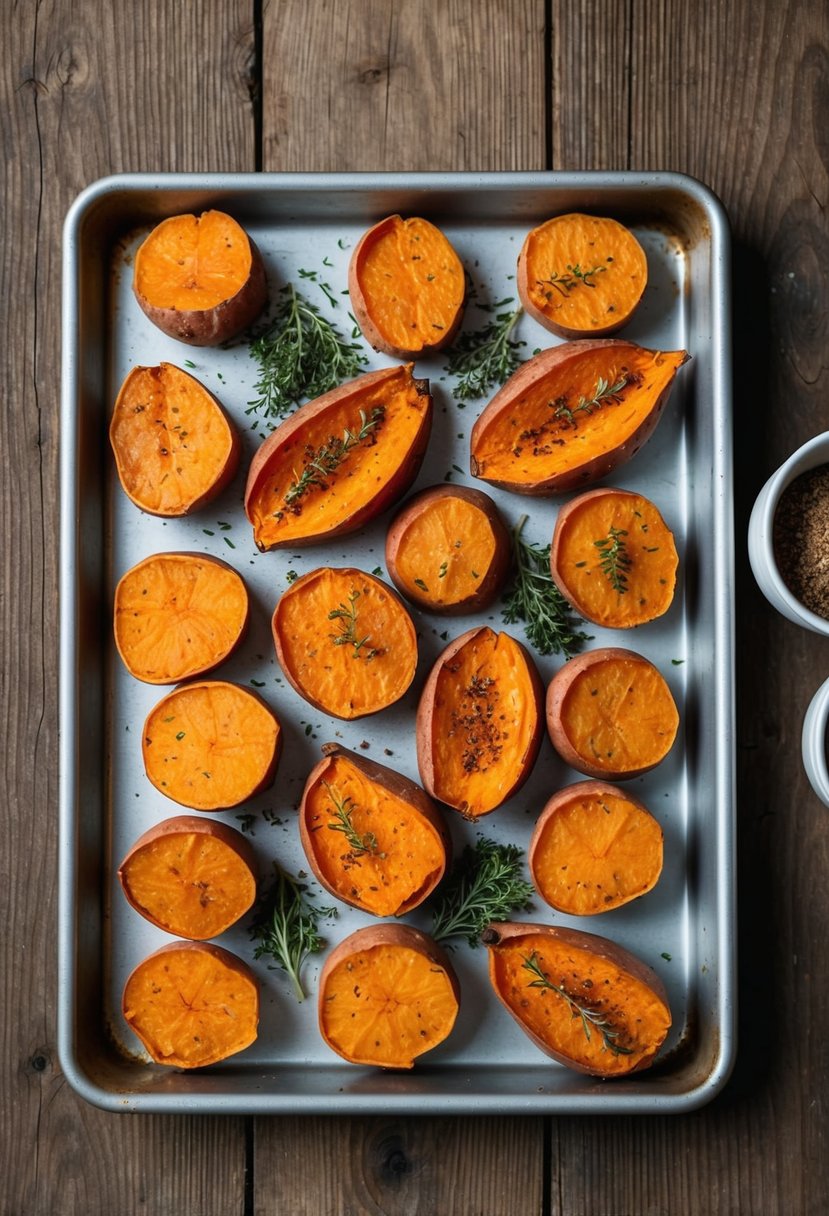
{"points": [[614, 559], [487, 356], [323, 461], [347, 616], [572, 277], [486, 885], [533, 597], [591, 1019], [603, 392], [286, 926], [343, 810]]}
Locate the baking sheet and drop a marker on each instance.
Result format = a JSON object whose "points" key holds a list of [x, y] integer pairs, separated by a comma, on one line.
{"points": [[684, 928]]}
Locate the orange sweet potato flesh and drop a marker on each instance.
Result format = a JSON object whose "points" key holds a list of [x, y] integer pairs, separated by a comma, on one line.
{"points": [[372, 837], [478, 722], [345, 642], [587, 1002], [175, 447], [387, 995], [594, 848], [407, 287], [211, 745], [190, 876], [640, 584], [192, 1004], [581, 275], [178, 615], [339, 460], [571, 415]]}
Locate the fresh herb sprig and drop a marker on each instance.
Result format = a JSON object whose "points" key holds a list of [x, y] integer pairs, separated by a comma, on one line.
{"points": [[487, 356], [603, 392], [573, 276], [286, 926], [342, 822], [348, 636], [533, 597], [591, 1019], [486, 885], [322, 462], [614, 559]]}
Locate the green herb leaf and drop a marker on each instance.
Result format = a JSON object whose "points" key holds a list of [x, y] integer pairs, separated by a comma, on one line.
{"points": [[591, 1019], [533, 597], [486, 884], [286, 926], [486, 357]]}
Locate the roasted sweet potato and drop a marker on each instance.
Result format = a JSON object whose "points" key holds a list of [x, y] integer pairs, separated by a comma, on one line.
{"points": [[614, 558], [571, 415], [593, 849], [387, 994], [448, 550], [610, 714], [200, 279], [190, 876], [211, 745], [479, 722], [407, 287], [192, 1004], [175, 447], [340, 459], [581, 276], [582, 999], [178, 615], [372, 837], [345, 642]]}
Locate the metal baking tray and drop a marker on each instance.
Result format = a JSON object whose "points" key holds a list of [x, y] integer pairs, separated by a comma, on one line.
{"points": [[685, 928]]}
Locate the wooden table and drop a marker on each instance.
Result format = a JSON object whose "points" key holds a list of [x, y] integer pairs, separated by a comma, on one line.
{"points": [[733, 92]]}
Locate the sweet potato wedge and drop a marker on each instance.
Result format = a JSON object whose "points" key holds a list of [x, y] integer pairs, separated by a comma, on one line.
{"points": [[178, 615], [407, 287], [582, 999], [388, 993], [339, 460], [479, 722], [571, 415], [345, 642], [192, 1004], [611, 714], [614, 558], [190, 876], [581, 276], [211, 745], [448, 550], [200, 279], [593, 849], [175, 447], [372, 837]]}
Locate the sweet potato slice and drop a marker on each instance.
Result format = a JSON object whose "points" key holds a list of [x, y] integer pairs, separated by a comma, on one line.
{"points": [[571, 415], [582, 999], [479, 722], [345, 642], [611, 714], [211, 745], [200, 279], [448, 550], [192, 1004], [190, 876], [581, 276], [339, 460], [407, 287], [614, 558], [178, 615], [593, 849], [175, 447], [388, 993], [372, 837]]}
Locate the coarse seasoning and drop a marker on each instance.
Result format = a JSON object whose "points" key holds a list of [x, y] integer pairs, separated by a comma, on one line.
{"points": [[801, 539]]}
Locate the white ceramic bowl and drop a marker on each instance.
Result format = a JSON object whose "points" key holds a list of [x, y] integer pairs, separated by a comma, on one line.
{"points": [[813, 742], [761, 540]]}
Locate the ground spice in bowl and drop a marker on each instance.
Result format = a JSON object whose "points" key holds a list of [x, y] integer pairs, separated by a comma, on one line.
{"points": [[801, 539]]}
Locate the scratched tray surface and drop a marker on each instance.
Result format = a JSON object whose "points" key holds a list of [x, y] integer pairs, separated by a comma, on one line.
{"points": [[683, 928]]}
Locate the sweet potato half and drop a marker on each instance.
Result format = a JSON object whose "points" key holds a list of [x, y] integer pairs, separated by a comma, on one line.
{"points": [[571, 415], [581, 276], [372, 837], [175, 447], [339, 460], [479, 722], [178, 615], [388, 994], [610, 713], [200, 279], [582, 999], [211, 745], [190, 876], [192, 1004], [407, 287], [593, 849], [448, 550], [614, 558]]}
